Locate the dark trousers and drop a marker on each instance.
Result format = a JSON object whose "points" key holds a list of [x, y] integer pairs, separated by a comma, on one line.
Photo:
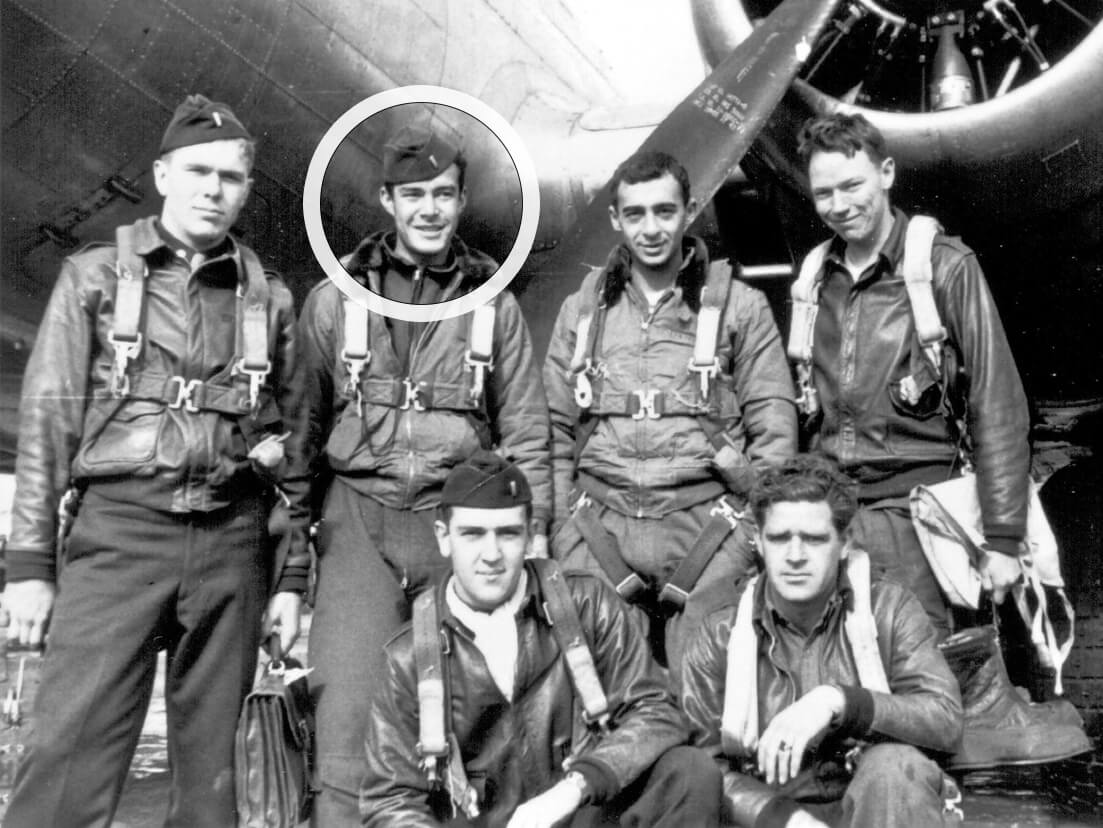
{"points": [[137, 581], [372, 561], [885, 530]]}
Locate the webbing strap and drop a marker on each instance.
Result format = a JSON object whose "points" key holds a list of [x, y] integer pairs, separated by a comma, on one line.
{"points": [[436, 746], [604, 546], [723, 521], [590, 311], [805, 292], [191, 395], [919, 279], [124, 336], [252, 350], [480, 347], [354, 352], [563, 616], [714, 296], [861, 630]]}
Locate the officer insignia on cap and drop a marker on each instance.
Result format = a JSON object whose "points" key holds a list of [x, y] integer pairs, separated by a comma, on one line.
{"points": [[217, 119], [416, 154]]}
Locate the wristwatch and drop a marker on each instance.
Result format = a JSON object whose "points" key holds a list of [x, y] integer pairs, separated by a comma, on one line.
{"points": [[579, 781]]}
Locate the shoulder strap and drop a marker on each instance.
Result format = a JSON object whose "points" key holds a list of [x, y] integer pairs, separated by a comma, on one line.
{"points": [[436, 744], [480, 347], [714, 297], [354, 349], [124, 336], [739, 719], [253, 359], [562, 614], [918, 279], [861, 630], [590, 310], [805, 293]]}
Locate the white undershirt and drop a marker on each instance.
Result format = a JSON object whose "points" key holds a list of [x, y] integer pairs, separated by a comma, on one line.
{"points": [[495, 632]]}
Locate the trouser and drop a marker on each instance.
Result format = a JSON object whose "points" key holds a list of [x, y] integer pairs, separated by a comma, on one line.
{"points": [[372, 561], [894, 786], [683, 788], [884, 529], [137, 581], [653, 548]]}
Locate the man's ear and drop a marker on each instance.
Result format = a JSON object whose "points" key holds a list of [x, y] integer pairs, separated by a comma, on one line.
{"points": [[614, 217], [160, 173], [691, 211], [440, 529], [888, 173], [386, 199]]}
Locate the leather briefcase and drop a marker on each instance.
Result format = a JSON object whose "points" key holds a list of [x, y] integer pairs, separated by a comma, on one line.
{"points": [[274, 749]]}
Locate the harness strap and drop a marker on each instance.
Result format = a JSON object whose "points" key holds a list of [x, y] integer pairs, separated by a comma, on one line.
{"points": [[354, 353], [919, 280], [714, 296], [436, 743], [724, 520], [252, 347], [480, 347], [562, 614], [861, 630], [191, 395], [805, 293], [603, 545], [126, 339], [591, 310]]}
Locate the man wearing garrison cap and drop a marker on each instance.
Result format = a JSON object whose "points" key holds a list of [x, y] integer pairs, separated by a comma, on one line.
{"points": [[389, 407], [520, 743], [153, 408]]}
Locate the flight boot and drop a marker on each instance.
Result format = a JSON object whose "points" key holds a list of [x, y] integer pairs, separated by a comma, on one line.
{"points": [[1002, 725]]}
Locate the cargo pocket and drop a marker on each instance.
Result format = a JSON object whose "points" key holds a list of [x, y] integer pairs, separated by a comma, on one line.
{"points": [[128, 439], [917, 394]]}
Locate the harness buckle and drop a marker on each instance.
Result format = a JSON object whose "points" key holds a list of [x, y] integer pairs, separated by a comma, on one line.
{"points": [[479, 366], [124, 352], [413, 392], [583, 389], [705, 372], [185, 389], [728, 512], [808, 400], [257, 376], [355, 366], [646, 400]]}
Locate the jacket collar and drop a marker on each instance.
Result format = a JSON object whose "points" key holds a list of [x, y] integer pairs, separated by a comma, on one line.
{"points": [[890, 255], [376, 253], [765, 614], [149, 242], [691, 275], [531, 604]]}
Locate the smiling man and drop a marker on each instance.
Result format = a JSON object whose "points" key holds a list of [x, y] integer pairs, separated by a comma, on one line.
{"points": [[526, 748], [160, 402], [669, 392], [819, 692], [389, 407]]}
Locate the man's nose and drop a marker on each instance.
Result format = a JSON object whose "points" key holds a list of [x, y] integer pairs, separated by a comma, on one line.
{"points": [[795, 552], [428, 206], [838, 203]]}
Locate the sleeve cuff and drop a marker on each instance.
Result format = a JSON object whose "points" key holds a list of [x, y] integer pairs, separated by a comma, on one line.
{"points": [[1011, 547], [293, 580], [776, 813], [600, 779], [857, 717], [30, 567]]}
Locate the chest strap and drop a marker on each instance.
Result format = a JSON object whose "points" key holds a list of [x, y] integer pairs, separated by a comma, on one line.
{"points": [[739, 726], [918, 281], [250, 361]]}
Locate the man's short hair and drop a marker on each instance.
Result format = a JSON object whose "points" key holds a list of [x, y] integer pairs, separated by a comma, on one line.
{"points": [[806, 478], [840, 132], [647, 166]]}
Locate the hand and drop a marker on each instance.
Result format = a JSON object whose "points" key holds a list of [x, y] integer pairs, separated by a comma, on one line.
{"points": [[282, 615], [29, 603], [802, 819], [998, 573], [544, 811], [539, 548], [782, 745]]}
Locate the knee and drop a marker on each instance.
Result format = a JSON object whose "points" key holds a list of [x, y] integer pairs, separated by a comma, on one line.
{"points": [[890, 769], [692, 771]]}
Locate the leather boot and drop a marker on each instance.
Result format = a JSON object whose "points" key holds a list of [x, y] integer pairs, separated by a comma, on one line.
{"points": [[1002, 725]]}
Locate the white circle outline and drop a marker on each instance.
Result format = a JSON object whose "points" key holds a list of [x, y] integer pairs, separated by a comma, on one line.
{"points": [[312, 206]]}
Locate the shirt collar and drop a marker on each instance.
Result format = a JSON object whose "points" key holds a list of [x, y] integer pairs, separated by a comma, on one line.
{"points": [[889, 256]]}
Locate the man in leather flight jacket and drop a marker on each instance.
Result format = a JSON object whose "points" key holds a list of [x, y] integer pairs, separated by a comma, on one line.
{"points": [[171, 434], [881, 403], [382, 426], [525, 752], [659, 429], [819, 692]]}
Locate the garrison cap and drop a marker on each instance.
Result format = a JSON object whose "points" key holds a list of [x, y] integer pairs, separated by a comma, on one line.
{"points": [[199, 120], [486, 481], [416, 154]]}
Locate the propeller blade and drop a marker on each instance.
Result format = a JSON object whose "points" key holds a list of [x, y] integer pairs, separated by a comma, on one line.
{"points": [[709, 132]]}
